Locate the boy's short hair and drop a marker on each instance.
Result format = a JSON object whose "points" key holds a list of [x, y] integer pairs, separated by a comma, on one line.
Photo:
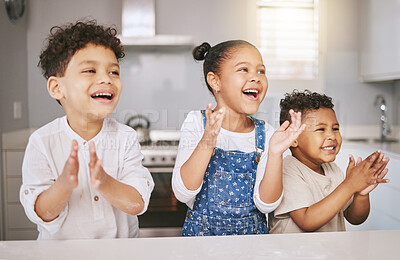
{"points": [[303, 102], [64, 41]]}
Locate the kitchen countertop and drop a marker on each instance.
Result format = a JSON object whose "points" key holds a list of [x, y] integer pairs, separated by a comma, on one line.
{"points": [[380, 244]]}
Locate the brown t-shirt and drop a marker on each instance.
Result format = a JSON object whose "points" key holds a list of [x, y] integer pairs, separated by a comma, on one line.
{"points": [[304, 187]]}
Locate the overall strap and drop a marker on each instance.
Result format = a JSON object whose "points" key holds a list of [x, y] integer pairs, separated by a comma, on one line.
{"points": [[260, 133], [203, 115]]}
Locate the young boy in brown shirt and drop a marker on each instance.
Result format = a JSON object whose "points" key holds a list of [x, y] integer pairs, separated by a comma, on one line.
{"points": [[317, 194]]}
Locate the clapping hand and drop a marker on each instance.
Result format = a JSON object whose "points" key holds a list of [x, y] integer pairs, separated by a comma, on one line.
{"points": [[286, 134], [97, 174], [213, 125], [380, 172], [69, 176], [365, 175]]}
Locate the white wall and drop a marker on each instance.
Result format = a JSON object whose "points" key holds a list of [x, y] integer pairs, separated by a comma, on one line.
{"points": [[13, 71]]}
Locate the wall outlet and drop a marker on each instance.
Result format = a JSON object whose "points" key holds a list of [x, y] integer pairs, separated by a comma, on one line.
{"points": [[17, 109]]}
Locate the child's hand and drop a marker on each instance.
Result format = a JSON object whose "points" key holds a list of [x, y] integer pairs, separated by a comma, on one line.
{"points": [[381, 171], [213, 125], [69, 175], [365, 173], [97, 174], [286, 134]]}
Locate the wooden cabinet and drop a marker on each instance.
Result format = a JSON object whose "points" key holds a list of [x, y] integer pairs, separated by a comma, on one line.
{"points": [[379, 40]]}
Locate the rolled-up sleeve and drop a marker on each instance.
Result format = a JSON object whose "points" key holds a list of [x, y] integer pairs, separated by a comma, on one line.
{"points": [[134, 174], [36, 178]]}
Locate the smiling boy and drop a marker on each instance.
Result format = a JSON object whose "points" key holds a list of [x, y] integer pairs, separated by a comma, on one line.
{"points": [[317, 194], [82, 173]]}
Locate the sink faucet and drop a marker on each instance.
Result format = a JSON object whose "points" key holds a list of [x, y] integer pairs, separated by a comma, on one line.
{"points": [[380, 102]]}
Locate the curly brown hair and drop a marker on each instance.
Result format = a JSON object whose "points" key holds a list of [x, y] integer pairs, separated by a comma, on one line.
{"points": [[64, 41], [303, 102]]}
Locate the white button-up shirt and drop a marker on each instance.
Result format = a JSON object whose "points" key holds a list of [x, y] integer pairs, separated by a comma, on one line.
{"points": [[87, 214]]}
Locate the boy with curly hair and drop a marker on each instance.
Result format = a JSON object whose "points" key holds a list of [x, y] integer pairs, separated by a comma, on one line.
{"points": [[317, 194], [82, 173]]}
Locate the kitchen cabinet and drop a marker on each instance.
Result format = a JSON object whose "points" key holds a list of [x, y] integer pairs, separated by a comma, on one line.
{"points": [[379, 40], [16, 224]]}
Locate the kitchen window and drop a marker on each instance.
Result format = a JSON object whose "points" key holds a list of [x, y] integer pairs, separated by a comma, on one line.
{"points": [[288, 38]]}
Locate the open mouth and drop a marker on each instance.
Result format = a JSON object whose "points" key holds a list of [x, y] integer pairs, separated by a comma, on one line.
{"points": [[251, 93], [103, 96]]}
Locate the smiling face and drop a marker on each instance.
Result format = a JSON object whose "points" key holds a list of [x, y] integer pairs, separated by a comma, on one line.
{"points": [[321, 140], [241, 83], [90, 88]]}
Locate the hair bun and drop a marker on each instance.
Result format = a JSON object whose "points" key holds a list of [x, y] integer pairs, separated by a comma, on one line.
{"points": [[200, 52]]}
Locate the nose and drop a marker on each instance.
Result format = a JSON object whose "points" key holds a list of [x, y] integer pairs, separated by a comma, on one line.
{"points": [[330, 135], [104, 78], [255, 77]]}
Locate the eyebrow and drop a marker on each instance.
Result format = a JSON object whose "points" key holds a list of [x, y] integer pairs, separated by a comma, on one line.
{"points": [[91, 62], [323, 124], [247, 63]]}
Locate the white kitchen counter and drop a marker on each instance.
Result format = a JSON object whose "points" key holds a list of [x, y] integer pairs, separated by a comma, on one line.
{"points": [[337, 245]]}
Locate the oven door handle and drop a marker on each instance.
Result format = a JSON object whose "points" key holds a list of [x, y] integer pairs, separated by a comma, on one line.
{"points": [[160, 169]]}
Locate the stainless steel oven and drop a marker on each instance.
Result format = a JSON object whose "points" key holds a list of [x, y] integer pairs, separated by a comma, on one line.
{"points": [[165, 214]]}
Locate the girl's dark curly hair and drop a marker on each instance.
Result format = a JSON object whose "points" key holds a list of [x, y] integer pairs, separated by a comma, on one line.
{"points": [[214, 56], [302, 102], [64, 41]]}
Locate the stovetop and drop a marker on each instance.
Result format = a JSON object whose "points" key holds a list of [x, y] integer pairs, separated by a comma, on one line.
{"points": [[161, 151]]}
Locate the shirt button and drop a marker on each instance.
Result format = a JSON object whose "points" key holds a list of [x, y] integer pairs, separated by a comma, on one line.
{"points": [[96, 198], [26, 192], [148, 183], [188, 215]]}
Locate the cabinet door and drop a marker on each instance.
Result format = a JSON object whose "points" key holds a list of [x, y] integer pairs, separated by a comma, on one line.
{"points": [[13, 186], [17, 218], [13, 163], [17, 225], [380, 40]]}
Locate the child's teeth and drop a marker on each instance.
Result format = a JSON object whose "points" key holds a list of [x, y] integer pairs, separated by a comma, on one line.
{"points": [[251, 91], [102, 94]]}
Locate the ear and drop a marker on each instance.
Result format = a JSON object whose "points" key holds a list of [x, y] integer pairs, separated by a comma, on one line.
{"points": [[54, 88], [294, 144], [213, 81]]}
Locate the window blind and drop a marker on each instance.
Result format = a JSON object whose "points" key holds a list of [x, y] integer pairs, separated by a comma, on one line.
{"points": [[288, 38]]}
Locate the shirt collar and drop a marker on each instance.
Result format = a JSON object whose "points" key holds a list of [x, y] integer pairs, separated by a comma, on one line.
{"points": [[73, 135]]}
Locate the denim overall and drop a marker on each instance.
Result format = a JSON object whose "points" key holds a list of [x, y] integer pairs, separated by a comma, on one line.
{"points": [[225, 204]]}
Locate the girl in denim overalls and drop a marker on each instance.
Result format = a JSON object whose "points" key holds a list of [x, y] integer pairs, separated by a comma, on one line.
{"points": [[224, 153]]}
